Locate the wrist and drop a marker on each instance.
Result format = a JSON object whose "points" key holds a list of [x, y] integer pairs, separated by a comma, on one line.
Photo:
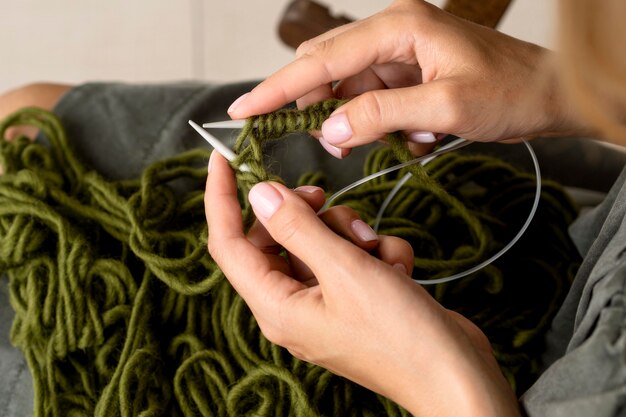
{"points": [[467, 398], [560, 115], [464, 382]]}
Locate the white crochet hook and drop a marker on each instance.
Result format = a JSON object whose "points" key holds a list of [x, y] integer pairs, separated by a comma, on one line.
{"points": [[224, 150]]}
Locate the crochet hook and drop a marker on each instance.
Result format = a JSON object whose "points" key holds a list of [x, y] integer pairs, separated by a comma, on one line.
{"points": [[218, 145]]}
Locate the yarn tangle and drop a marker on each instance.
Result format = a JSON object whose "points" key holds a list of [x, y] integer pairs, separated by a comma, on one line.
{"points": [[120, 311]]}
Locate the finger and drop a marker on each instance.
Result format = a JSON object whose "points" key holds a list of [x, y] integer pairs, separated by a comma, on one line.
{"points": [[293, 224], [341, 56], [419, 149], [325, 91], [335, 151], [346, 223], [398, 75], [260, 237], [228, 244], [370, 116], [307, 45], [366, 80], [316, 95], [301, 271], [338, 153], [396, 252], [379, 77]]}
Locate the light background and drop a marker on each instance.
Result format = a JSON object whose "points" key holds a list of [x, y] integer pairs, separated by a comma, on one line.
{"points": [[164, 40]]}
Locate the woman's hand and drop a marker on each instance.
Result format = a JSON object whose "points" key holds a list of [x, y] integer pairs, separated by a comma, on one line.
{"points": [[335, 304], [416, 68]]}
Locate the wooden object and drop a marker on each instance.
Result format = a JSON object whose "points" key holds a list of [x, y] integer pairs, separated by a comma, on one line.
{"points": [[484, 12], [306, 19]]}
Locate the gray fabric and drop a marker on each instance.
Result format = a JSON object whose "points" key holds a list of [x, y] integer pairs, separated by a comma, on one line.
{"points": [[587, 344], [16, 391], [118, 129]]}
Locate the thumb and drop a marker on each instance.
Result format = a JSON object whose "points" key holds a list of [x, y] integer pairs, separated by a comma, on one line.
{"points": [[294, 225], [370, 116]]}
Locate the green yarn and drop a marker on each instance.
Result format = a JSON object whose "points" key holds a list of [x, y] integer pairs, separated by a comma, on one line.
{"points": [[120, 311]]}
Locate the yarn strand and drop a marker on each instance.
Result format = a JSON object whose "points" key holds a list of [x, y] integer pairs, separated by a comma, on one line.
{"points": [[120, 310]]}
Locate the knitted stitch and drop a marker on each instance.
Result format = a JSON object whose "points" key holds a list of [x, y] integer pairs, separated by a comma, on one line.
{"points": [[120, 311]]}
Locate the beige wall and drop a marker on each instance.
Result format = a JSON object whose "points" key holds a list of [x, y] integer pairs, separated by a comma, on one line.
{"points": [[158, 40]]}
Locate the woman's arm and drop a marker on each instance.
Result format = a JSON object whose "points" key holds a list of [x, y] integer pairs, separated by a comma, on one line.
{"points": [[43, 95]]}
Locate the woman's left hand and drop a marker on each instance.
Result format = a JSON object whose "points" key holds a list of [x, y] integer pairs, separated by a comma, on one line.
{"points": [[334, 304]]}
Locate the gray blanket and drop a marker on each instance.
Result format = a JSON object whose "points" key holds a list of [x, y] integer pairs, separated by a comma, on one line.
{"points": [[118, 129]]}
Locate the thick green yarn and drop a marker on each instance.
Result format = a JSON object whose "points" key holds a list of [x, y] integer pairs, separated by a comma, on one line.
{"points": [[120, 311]]}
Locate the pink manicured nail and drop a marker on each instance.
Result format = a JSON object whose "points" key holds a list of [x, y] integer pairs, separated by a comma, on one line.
{"points": [[210, 161], [336, 129], [422, 137], [308, 189], [401, 268], [236, 103], [363, 231], [265, 200], [333, 150]]}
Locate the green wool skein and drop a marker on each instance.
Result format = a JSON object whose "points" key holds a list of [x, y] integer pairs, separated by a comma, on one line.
{"points": [[120, 311]]}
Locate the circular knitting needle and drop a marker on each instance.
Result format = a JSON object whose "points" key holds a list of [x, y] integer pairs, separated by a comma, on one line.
{"points": [[225, 124], [218, 146]]}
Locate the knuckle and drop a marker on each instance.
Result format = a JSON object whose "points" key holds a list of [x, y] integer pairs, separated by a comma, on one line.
{"points": [[298, 354], [291, 220], [341, 212], [450, 98], [315, 48], [410, 16], [339, 219], [318, 52], [272, 333], [303, 48], [214, 248], [371, 110], [405, 247], [408, 8], [321, 48], [272, 323], [290, 225]]}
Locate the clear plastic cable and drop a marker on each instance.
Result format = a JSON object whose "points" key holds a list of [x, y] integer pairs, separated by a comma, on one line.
{"points": [[454, 145]]}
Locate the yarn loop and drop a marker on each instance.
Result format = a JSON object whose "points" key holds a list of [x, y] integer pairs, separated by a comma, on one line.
{"points": [[120, 310]]}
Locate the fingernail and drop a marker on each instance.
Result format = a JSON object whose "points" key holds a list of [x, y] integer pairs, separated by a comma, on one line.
{"points": [[310, 189], [401, 268], [363, 231], [265, 200], [422, 137], [210, 161], [336, 129], [333, 150], [237, 102]]}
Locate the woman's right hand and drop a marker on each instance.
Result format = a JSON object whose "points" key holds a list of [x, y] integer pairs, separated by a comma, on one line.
{"points": [[415, 68]]}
